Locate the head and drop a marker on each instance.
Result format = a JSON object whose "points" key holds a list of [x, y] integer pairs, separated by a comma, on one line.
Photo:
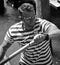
{"points": [[27, 11], [32, 2]]}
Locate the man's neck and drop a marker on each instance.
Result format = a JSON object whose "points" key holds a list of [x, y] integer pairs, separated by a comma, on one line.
{"points": [[27, 28]]}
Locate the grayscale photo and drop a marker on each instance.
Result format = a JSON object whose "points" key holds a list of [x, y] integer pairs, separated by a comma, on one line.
{"points": [[30, 32]]}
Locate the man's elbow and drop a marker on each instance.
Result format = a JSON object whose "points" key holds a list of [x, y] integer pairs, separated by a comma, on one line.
{"points": [[5, 45]]}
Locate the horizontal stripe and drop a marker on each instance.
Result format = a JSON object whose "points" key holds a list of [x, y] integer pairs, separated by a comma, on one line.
{"points": [[37, 53]]}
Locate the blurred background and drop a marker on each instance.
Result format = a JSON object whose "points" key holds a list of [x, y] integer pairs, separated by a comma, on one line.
{"points": [[47, 9]]}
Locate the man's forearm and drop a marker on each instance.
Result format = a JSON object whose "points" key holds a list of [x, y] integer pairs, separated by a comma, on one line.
{"points": [[5, 45], [3, 48], [55, 36]]}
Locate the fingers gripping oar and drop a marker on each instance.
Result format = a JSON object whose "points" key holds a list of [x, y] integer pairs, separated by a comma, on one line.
{"points": [[16, 53]]}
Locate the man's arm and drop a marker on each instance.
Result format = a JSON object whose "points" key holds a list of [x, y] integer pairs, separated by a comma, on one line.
{"points": [[3, 48], [54, 34]]}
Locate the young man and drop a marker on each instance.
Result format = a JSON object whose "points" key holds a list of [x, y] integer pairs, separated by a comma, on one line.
{"points": [[28, 29]]}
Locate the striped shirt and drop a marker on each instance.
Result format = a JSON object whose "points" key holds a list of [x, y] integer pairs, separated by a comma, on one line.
{"points": [[38, 53]]}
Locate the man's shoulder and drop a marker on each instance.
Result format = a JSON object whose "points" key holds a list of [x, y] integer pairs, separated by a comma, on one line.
{"points": [[19, 24], [43, 21], [40, 20], [16, 27]]}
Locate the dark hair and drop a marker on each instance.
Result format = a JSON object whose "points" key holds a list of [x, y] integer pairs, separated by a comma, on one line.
{"points": [[29, 1]]}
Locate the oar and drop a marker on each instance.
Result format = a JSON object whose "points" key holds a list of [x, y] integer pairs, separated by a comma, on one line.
{"points": [[15, 53]]}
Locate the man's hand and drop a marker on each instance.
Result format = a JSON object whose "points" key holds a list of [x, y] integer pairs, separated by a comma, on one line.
{"points": [[40, 38]]}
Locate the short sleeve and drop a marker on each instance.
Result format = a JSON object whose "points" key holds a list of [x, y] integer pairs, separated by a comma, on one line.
{"points": [[48, 26], [8, 37]]}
